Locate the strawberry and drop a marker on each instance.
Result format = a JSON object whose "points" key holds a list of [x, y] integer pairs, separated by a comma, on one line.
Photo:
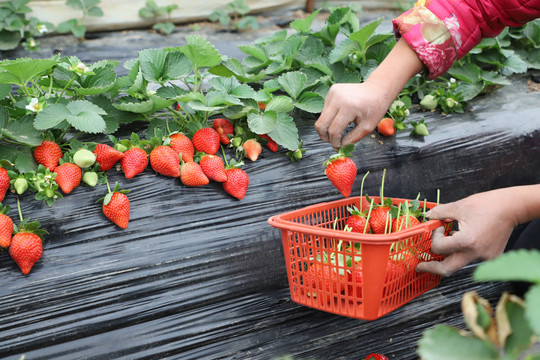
{"points": [[165, 161], [261, 105], [182, 145], [68, 176], [107, 156], [379, 218], [224, 128], [386, 127], [134, 162], [358, 223], [213, 167], [271, 144], [48, 154], [26, 249], [404, 222], [191, 174], [4, 183], [341, 170], [323, 278], [84, 158], [355, 277], [252, 148], [237, 182], [206, 140], [6, 227], [374, 356], [116, 206]]}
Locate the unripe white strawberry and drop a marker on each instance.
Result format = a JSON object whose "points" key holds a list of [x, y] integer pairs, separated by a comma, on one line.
{"points": [[84, 158]]}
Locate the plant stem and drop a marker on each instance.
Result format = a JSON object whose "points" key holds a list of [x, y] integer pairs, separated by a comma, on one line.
{"points": [[19, 209], [65, 88]]}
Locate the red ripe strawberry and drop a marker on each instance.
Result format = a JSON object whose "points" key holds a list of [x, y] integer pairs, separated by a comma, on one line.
{"points": [[134, 162], [206, 140], [213, 167], [378, 220], [341, 172], [252, 148], [237, 182], [48, 154], [116, 208], [165, 161], [182, 145], [262, 106], [375, 356], [224, 128], [355, 277], [271, 144], [6, 228], [4, 183], [107, 156], [404, 222], [26, 249], [68, 176], [358, 223], [386, 127], [191, 174]]}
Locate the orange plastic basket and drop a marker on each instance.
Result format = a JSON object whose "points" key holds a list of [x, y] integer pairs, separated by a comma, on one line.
{"points": [[363, 276]]}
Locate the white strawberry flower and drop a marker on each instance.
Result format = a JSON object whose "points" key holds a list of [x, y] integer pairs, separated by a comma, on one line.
{"points": [[42, 28], [35, 105]]}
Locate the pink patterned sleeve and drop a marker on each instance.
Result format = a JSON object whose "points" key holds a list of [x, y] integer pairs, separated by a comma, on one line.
{"points": [[443, 31]]}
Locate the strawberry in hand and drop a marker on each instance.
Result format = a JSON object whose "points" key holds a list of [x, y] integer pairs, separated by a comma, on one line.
{"points": [[341, 170]]}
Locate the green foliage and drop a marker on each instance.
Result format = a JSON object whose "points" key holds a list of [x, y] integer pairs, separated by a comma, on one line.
{"points": [[152, 11], [513, 331], [77, 26], [233, 16], [16, 28]]}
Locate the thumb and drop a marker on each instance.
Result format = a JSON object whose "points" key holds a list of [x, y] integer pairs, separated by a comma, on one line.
{"points": [[448, 211]]}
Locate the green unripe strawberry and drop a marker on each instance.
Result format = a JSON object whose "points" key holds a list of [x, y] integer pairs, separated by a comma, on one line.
{"points": [[429, 102], [237, 141], [421, 129], [20, 185], [49, 193], [90, 178], [451, 103], [120, 147], [84, 158]]}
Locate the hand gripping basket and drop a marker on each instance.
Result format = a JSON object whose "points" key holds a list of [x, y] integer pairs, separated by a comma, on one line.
{"points": [[362, 276]]}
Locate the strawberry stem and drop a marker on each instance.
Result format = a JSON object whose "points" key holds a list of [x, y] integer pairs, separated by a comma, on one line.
{"points": [[368, 215], [107, 181], [362, 189], [438, 195], [382, 188], [19, 209]]}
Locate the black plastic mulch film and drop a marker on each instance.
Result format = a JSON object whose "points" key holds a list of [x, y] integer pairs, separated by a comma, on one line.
{"points": [[201, 275]]}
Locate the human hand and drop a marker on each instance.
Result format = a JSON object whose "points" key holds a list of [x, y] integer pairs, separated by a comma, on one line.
{"points": [[484, 227], [363, 104]]}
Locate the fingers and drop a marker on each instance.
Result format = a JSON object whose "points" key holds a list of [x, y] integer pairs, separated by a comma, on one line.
{"points": [[447, 267], [450, 211], [325, 120], [446, 245]]}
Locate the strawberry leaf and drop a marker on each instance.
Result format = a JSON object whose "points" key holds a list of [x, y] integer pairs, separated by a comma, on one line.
{"points": [[131, 104], [262, 123], [51, 116], [22, 131], [310, 102], [285, 133], [201, 52], [21, 71], [86, 116], [293, 83], [280, 104]]}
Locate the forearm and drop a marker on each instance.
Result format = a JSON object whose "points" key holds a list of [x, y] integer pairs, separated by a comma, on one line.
{"points": [[401, 64], [524, 202]]}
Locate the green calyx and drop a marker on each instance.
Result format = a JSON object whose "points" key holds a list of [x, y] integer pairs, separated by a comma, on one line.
{"points": [[345, 151]]}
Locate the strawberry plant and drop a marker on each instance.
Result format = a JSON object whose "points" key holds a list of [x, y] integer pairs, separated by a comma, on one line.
{"points": [[511, 331], [153, 11], [233, 16], [77, 26]]}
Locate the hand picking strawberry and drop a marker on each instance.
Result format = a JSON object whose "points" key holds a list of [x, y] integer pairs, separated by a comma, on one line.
{"points": [[341, 170]]}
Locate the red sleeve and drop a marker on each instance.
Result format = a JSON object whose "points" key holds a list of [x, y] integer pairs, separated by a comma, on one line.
{"points": [[443, 31]]}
